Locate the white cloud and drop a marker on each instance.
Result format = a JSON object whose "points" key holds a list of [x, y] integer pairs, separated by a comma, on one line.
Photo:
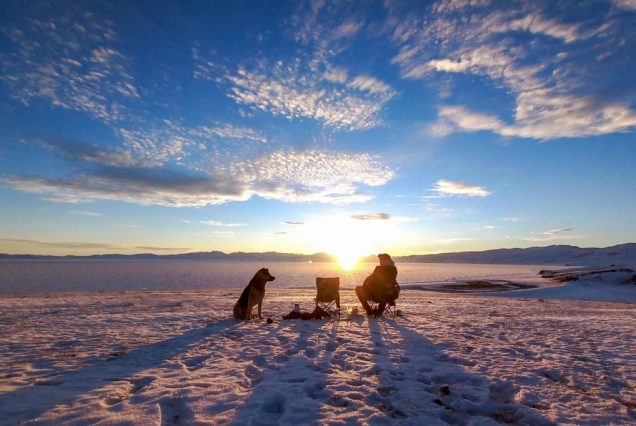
{"points": [[306, 84], [541, 116], [381, 216], [455, 5], [555, 96], [557, 231], [554, 235], [466, 120], [85, 246], [371, 216], [536, 24], [286, 175], [294, 91], [68, 65], [304, 176], [626, 4], [143, 186], [223, 224], [450, 188], [336, 75], [169, 141], [224, 234], [84, 213], [230, 131], [371, 84]]}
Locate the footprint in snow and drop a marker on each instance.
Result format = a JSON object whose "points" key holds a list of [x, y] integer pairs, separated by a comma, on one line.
{"points": [[195, 363], [174, 411], [274, 406]]}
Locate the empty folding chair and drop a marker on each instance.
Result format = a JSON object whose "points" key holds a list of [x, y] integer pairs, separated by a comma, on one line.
{"points": [[328, 295]]}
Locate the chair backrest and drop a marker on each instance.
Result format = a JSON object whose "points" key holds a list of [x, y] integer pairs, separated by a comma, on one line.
{"points": [[327, 289]]}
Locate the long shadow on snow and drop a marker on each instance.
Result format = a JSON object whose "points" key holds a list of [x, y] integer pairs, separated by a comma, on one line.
{"points": [[419, 384], [29, 402], [303, 381]]}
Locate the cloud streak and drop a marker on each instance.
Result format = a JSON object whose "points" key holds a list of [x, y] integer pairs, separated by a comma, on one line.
{"points": [[222, 224], [371, 216], [454, 188], [69, 61], [294, 91], [555, 96], [554, 235], [84, 213], [82, 245], [286, 175]]}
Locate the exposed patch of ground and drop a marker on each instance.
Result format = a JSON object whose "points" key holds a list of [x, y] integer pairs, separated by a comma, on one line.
{"points": [[476, 286]]}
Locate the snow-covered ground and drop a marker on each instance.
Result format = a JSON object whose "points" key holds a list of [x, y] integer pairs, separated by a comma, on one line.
{"points": [[177, 358], [607, 284]]}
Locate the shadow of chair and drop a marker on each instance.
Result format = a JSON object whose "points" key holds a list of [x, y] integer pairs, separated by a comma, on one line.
{"points": [[328, 295]]}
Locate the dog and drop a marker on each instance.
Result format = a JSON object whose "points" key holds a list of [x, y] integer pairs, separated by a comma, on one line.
{"points": [[253, 295]]}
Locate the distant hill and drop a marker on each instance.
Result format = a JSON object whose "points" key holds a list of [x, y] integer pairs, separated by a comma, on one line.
{"points": [[204, 255], [622, 255]]}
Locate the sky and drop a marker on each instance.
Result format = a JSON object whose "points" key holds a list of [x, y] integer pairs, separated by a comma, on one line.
{"points": [[346, 127]]}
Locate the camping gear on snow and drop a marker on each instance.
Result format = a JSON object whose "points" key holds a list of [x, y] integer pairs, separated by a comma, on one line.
{"points": [[318, 313]]}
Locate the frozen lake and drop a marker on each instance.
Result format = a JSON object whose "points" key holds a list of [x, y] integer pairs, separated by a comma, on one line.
{"points": [[64, 276]]}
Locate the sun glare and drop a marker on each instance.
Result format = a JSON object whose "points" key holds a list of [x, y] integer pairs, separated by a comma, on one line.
{"points": [[348, 261], [347, 239]]}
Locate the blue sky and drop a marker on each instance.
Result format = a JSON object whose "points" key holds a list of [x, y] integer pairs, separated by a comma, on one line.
{"points": [[348, 127]]}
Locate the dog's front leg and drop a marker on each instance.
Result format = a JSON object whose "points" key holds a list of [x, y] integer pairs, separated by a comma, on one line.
{"points": [[248, 309], [260, 304]]}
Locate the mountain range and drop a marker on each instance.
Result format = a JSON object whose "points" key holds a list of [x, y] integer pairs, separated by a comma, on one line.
{"points": [[622, 254]]}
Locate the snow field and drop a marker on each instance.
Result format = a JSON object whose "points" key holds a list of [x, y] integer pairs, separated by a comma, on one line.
{"points": [[177, 358]]}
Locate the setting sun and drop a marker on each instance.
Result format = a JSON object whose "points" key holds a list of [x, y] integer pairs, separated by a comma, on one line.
{"points": [[347, 239], [348, 261]]}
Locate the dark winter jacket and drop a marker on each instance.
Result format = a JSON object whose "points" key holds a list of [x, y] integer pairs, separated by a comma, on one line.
{"points": [[382, 285]]}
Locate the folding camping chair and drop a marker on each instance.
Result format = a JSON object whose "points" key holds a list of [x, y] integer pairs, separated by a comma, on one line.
{"points": [[328, 295], [390, 310]]}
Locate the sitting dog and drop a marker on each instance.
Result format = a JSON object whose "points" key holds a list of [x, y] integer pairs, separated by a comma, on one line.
{"points": [[253, 295]]}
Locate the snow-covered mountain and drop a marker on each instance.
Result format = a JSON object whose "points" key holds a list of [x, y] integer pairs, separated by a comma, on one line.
{"points": [[622, 255]]}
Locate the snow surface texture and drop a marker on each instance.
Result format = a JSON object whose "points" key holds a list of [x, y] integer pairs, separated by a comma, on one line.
{"points": [[176, 358]]}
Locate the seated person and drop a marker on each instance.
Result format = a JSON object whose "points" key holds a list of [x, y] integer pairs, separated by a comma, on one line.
{"points": [[380, 287]]}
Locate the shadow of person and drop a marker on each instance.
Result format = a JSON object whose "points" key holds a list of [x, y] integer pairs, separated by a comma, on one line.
{"points": [[31, 402], [291, 387], [419, 384]]}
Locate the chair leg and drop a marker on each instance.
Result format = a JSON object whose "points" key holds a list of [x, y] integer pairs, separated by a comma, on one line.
{"points": [[328, 308]]}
